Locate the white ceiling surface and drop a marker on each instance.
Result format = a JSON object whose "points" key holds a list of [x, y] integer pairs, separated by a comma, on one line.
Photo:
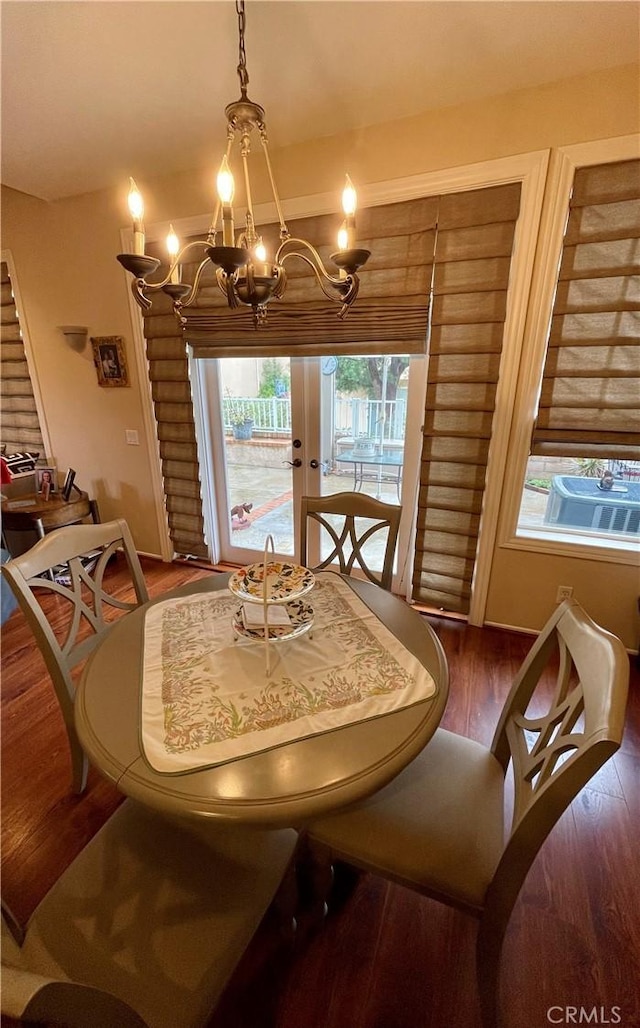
{"points": [[95, 90]]}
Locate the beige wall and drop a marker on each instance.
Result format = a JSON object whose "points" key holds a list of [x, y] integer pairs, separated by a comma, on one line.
{"points": [[65, 263]]}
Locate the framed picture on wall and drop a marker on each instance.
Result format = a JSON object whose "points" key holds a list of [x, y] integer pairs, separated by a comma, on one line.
{"points": [[110, 361]]}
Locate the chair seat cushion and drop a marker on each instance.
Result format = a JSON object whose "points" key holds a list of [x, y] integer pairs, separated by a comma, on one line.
{"points": [[158, 912], [438, 826]]}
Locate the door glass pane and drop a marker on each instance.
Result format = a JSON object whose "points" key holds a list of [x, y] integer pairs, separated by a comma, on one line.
{"points": [[364, 410], [257, 442]]}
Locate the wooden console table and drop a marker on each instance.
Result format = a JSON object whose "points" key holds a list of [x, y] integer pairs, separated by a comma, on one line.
{"points": [[32, 512]]}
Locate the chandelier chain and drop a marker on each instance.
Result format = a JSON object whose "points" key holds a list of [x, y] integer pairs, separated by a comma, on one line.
{"points": [[243, 74]]}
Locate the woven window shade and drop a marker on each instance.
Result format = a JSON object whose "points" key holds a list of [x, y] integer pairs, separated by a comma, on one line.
{"points": [[389, 316], [173, 407], [472, 264], [590, 397], [20, 424]]}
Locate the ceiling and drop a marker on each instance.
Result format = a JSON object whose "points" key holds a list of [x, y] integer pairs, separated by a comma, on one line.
{"points": [[94, 91]]}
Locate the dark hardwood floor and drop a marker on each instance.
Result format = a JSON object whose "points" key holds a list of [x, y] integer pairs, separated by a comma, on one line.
{"points": [[385, 957]]}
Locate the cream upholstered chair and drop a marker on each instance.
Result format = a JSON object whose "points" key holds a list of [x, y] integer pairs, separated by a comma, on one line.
{"points": [[146, 926], [73, 628], [438, 827], [350, 537]]}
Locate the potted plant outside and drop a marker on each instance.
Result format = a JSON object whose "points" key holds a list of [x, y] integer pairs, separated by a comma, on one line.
{"points": [[241, 425]]}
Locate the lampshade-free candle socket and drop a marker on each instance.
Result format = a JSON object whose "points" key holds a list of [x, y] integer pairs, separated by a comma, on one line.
{"points": [[136, 209], [173, 247], [226, 187]]}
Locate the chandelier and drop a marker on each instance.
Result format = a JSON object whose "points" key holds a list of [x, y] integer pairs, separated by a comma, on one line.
{"points": [[244, 273]]}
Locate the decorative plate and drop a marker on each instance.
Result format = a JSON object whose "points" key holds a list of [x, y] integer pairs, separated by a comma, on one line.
{"points": [[284, 582], [300, 615]]}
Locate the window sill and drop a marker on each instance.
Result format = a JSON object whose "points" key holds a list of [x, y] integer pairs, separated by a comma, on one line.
{"points": [[586, 546]]}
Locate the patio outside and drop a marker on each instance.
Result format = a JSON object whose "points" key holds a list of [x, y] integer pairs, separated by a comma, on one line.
{"points": [[257, 476]]}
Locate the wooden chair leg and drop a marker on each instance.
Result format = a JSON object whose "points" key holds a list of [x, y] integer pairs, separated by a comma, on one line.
{"points": [[488, 954], [79, 765]]}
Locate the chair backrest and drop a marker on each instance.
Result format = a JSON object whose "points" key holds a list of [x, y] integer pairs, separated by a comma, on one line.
{"points": [[556, 746], [75, 558], [341, 516]]}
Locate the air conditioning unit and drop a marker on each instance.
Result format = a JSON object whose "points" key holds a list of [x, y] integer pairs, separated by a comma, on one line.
{"points": [[582, 503]]}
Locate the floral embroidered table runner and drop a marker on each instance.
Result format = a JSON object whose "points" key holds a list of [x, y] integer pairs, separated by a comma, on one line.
{"points": [[206, 699]]}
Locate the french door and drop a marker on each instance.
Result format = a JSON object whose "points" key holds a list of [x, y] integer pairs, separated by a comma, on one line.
{"points": [[274, 430]]}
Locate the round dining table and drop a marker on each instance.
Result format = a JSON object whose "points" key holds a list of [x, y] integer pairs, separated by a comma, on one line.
{"points": [[282, 786]]}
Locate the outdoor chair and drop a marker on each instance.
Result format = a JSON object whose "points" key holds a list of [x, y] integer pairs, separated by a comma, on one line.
{"points": [[351, 520], [147, 924], [438, 827], [70, 563]]}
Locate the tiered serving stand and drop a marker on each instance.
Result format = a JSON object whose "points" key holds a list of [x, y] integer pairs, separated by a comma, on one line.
{"points": [[273, 583]]}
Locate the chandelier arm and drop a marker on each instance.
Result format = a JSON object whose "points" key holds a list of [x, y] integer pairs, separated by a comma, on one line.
{"points": [[318, 266], [284, 231], [345, 286], [189, 299], [163, 282], [138, 285], [317, 271]]}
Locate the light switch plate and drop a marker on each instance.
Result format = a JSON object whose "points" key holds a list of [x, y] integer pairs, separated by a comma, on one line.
{"points": [[131, 436]]}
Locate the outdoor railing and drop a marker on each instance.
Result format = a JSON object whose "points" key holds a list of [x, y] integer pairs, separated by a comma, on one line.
{"points": [[269, 414], [353, 417]]}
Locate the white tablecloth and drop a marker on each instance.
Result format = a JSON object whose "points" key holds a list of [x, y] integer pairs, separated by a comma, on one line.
{"points": [[206, 699]]}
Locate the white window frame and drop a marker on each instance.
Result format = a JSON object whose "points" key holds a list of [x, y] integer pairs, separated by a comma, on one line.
{"points": [[562, 167]]}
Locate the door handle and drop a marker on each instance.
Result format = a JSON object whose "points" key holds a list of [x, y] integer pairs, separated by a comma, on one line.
{"points": [[297, 463], [314, 463]]}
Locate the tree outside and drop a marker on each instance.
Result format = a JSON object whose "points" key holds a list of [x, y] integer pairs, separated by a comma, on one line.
{"points": [[364, 375]]}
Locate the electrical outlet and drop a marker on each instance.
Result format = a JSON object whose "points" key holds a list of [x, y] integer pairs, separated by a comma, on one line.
{"points": [[565, 592], [131, 437]]}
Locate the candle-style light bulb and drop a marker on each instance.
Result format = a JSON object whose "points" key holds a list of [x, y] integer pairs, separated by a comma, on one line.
{"points": [[173, 243], [136, 209], [225, 192], [343, 239], [260, 266], [349, 204], [349, 198], [135, 201], [173, 248], [225, 182]]}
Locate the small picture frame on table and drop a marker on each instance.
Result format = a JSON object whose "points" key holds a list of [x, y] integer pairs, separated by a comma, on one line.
{"points": [[68, 484], [110, 361], [46, 482]]}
